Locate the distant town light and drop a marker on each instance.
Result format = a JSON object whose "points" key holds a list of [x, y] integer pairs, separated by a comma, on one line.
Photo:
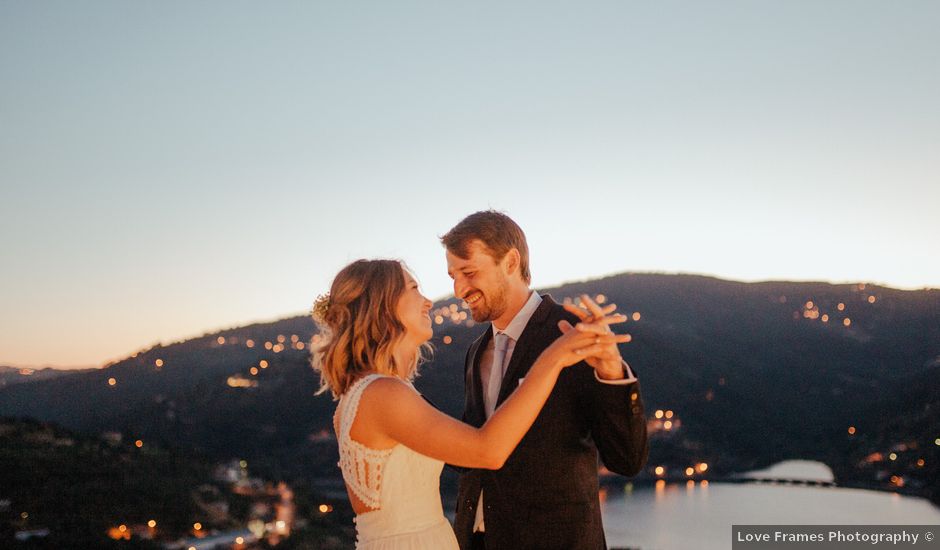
{"points": [[268, 345], [280, 338], [254, 371], [600, 298], [122, 528], [263, 364], [937, 441], [294, 338], [197, 526], [809, 304], [669, 414], [151, 524], [702, 466], [243, 463], [324, 508], [238, 382], [636, 315], [659, 413], [893, 456], [139, 444], [250, 343], [112, 381], [689, 471], [448, 339], [24, 515], [220, 340], [239, 540], [871, 299], [667, 424], [920, 462], [825, 318], [851, 430], [846, 321], [841, 306], [660, 470]]}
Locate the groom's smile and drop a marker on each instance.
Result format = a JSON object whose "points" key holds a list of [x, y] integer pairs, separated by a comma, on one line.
{"points": [[472, 298]]}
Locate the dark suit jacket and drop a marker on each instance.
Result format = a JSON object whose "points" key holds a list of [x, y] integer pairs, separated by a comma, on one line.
{"points": [[546, 494]]}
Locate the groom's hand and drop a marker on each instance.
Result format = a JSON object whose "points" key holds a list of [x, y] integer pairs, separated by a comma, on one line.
{"points": [[607, 363]]}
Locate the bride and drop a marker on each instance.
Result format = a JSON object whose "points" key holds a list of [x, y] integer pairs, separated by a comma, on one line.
{"points": [[392, 443]]}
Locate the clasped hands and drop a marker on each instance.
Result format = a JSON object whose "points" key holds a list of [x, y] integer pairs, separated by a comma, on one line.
{"points": [[604, 358]]}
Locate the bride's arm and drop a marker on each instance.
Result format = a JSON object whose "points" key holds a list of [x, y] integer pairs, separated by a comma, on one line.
{"points": [[391, 409]]}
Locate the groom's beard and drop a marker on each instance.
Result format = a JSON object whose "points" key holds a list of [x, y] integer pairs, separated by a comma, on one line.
{"points": [[493, 306]]}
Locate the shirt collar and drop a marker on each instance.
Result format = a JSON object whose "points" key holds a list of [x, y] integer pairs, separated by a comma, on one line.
{"points": [[518, 323]]}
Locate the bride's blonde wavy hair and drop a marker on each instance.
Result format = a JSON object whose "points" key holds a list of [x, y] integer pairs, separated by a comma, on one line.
{"points": [[359, 326]]}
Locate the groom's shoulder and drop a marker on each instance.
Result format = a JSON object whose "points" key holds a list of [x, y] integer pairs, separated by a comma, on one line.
{"points": [[554, 312]]}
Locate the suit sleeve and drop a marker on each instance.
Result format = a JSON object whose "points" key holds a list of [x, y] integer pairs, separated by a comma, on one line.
{"points": [[617, 421], [618, 426]]}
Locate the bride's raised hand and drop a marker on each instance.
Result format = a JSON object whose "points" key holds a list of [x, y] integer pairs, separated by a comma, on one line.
{"points": [[574, 346], [597, 320]]}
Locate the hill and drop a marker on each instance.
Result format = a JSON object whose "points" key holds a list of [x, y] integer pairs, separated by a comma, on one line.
{"points": [[752, 373], [22, 375]]}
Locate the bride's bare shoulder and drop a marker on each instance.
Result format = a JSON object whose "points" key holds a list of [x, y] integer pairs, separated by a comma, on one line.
{"points": [[385, 399], [385, 388]]}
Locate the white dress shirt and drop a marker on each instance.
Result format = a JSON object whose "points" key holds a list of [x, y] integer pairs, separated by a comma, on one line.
{"points": [[491, 387]]}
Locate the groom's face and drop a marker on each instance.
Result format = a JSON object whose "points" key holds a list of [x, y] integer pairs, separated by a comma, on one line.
{"points": [[480, 281]]}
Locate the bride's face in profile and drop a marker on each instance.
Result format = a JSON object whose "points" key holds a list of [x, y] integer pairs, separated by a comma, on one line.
{"points": [[414, 311]]}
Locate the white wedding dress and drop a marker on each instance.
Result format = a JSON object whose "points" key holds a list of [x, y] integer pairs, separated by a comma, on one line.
{"points": [[401, 487]]}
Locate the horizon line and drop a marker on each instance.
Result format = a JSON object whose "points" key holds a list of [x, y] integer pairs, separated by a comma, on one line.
{"points": [[243, 324]]}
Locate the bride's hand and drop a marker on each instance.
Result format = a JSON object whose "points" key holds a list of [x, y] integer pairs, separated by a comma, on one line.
{"points": [[607, 362], [574, 346]]}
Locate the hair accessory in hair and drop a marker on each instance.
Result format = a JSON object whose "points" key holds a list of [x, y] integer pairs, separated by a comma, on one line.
{"points": [[320, 307]]}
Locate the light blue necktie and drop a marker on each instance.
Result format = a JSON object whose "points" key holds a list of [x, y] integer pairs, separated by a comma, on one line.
{"points": [[500, 345]]}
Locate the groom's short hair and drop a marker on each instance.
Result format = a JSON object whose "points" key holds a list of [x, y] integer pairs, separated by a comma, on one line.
{"points": [[497, 231]]}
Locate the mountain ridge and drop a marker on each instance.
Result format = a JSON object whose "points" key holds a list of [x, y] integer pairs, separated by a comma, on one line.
{"points": [[751, 370], [450, 297]]}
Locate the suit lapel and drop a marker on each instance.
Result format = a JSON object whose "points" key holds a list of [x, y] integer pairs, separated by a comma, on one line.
{"points": [[476, 412], [527, 349]]}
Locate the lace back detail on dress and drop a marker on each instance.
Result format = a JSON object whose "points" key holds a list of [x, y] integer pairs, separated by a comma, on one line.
{"points": [[361, 466]]}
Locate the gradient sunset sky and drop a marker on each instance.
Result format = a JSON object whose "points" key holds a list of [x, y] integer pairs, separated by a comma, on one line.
{"points": [[171, 168]]}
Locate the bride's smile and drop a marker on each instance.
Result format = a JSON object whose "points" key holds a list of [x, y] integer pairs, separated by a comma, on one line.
{"points": [[414, 311]]}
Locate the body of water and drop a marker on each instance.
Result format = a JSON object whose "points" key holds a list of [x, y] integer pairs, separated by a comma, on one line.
{"points": [[682, 516]]}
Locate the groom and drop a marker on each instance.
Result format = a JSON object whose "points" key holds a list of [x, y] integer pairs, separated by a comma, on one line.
{"points": [[546, 494]]}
